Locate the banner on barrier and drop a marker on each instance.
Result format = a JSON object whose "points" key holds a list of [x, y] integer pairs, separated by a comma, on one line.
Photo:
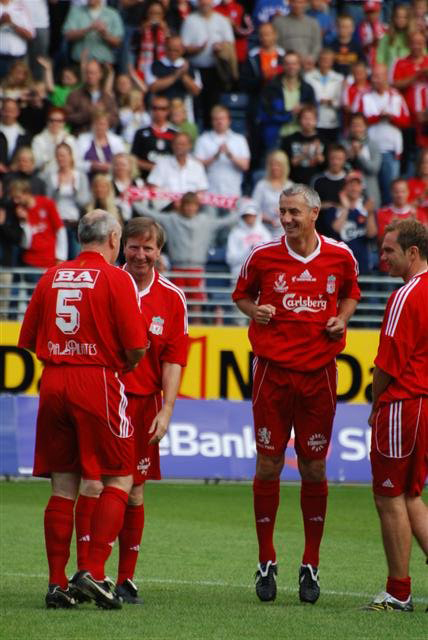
{"points": [[206, 439], [219, 364]]}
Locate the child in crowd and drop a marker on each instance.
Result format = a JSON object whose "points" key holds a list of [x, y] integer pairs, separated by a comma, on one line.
{"points": [[305, 148], [346, 49], [69, 80], [178, 117], [133, 115]]}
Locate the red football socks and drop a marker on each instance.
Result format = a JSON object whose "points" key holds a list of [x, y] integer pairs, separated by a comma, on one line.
{"points": [[129, 541], [58, 534], [84, 509], [107, 521], [266, 501], [399, 588], [313, 502]]}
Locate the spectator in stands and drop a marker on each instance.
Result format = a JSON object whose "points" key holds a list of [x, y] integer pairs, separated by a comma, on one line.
{"points": [[241, 24], [172, 76], [399, 209], [419, 11], [39, 45], [191, 232], [180, 121], [179, 172], [97, 147], [16, 31], [282, 100], [249, 232], [206, 35], [265, 10], [410, 75], [330, 183], [363, 155], [45, 143], [151, 142], [103, 196], [224, 153], [132, 14], [12, 134], [263, 63], [34, 111], [69, 80], [90, 97], [323, 14], [371, 30], [48, 243], [69, 188], [151, 38], [394, 44], [352, 93], [300, 33], [305, 148], [347, 50], [23, 167], [418, 186], [354, 220], [95, 30], [133, 116], [13, 236], [18, 82], [387, 113], [327, 85], [124, 177], [268, 189], [421, 112]]}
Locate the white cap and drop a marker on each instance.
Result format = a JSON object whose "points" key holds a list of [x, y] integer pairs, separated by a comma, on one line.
{"points": [[248, 207]]}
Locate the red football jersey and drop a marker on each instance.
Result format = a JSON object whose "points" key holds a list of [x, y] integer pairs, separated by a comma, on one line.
{"points": [[163, 306], [305, 293], [84, 312], [405, 67], [44, 221], [403, 345]]}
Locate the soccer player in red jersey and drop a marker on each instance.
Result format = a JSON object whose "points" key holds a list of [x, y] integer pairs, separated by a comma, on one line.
{"points": [[84, 324], [299, 292], [151, 390], [399, 418]]}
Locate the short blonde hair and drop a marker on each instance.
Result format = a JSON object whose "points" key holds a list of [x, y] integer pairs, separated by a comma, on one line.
{"points": [[282, 158]]}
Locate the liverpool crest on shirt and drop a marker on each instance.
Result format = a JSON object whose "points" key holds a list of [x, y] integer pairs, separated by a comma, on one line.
{"points": [[331, 284], [156, 325], [280, 285]]}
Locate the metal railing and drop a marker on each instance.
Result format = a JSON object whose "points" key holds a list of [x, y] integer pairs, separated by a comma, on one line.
{"points": [[216, 307]]}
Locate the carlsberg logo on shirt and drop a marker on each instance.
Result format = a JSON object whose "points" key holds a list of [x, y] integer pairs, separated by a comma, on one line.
{"points": [[303, 303]]}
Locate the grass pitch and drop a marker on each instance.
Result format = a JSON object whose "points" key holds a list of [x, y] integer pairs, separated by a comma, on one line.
{"points": [[196, 567]]}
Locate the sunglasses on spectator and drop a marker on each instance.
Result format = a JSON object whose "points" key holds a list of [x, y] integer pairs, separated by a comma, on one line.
{"points": [[159, 108], [56, 120]]}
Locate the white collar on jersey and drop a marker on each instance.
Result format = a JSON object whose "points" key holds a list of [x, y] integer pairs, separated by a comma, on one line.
{"points": [[304, 259], [145, 291]]}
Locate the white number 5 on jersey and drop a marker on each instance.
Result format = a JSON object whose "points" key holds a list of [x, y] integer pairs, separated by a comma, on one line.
{"points": [[67, 315]]}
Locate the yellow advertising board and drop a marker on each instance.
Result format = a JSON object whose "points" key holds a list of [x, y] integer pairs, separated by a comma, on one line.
{"points": [[219, 364]]}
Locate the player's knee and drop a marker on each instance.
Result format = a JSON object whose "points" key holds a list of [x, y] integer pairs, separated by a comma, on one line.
{"points": [[312, 470], [136, 495], [120, 482], [91, 488], [269, 468]]}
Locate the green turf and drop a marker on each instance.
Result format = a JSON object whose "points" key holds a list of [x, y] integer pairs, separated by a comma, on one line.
{"points": [[196, 567]]}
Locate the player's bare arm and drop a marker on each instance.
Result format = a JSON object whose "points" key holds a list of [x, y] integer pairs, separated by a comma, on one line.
{"points": [[336, 325], [262, 314], [134, 356], [171, 377], [381, 380]]}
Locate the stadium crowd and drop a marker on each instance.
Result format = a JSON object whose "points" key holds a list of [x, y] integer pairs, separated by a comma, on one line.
{"points": [[127, 105]]}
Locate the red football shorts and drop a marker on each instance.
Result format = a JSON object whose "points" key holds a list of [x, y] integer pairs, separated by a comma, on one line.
{"points": [[82, 423], [283, 399], [188, 283], [399, 448], [143, 410]]}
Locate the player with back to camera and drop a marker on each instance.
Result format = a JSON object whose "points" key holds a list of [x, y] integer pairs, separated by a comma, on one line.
{"points": [[399, 417], [300, 292], [84, 323], [151, 390]]}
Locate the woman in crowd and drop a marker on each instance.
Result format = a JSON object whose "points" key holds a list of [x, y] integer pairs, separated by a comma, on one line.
{"points": [[69, 187], [103, 196], [23, 167], [18, 82], [394, 44], [267, 190], [97, 147], [45, 143], [125, 176]]}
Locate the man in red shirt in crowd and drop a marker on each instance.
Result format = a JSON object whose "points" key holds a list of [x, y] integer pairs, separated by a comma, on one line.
{"points": [[299, 292], [399, 209], [151, 390], [410, 72], [399, 418], [48, 244], [85, 325]]}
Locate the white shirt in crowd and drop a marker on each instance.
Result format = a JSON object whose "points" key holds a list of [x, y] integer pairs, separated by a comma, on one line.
{"points": [[10, 43], [327, 87], [196, 30], [169, 175], [241, 241]]}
